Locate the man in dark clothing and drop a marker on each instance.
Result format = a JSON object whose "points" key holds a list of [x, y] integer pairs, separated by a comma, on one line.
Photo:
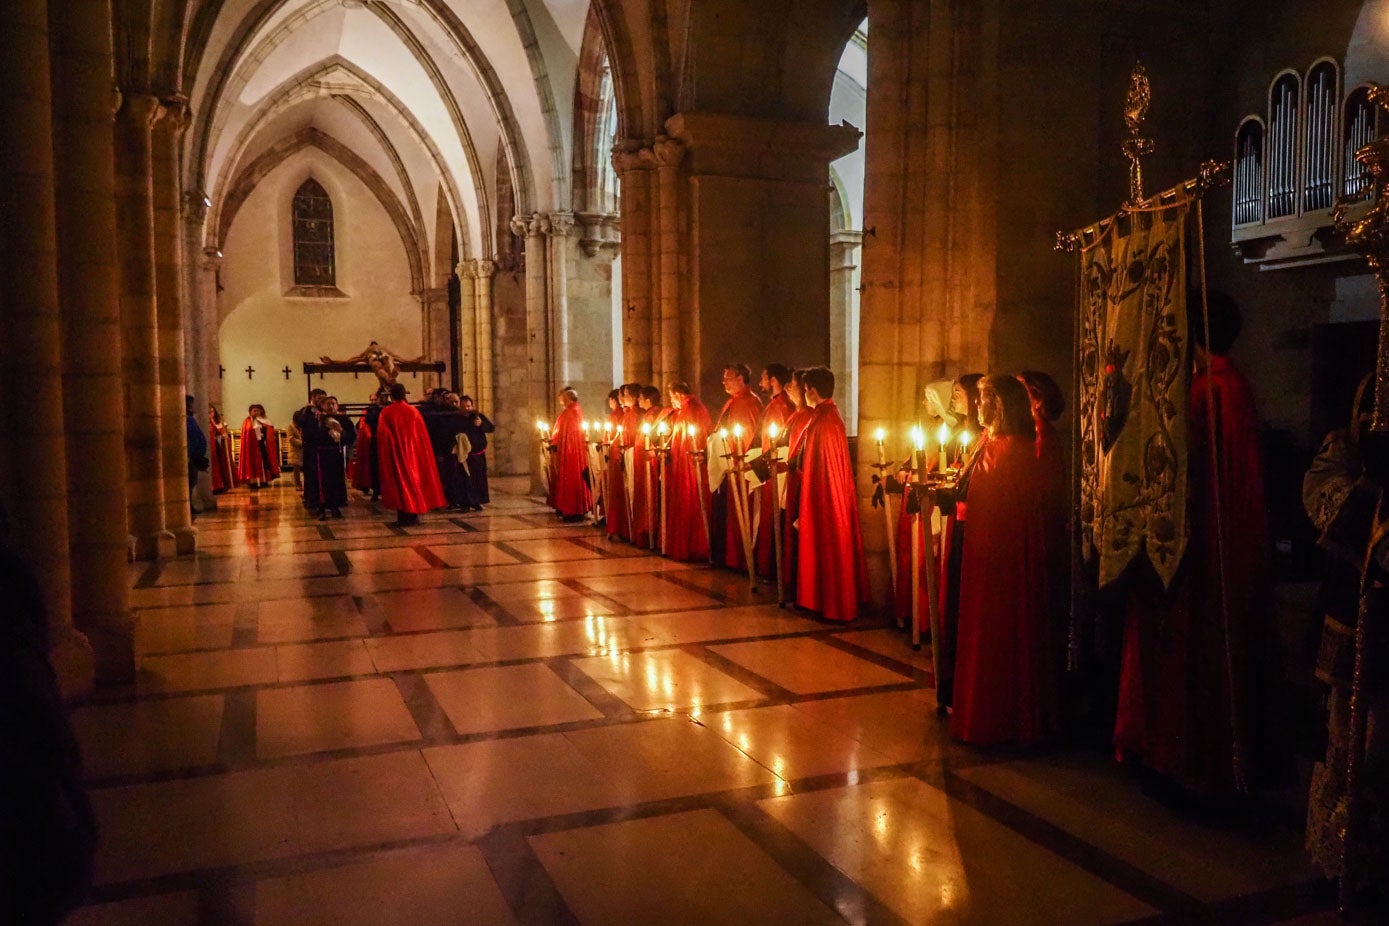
{"points": [[372, 417], [197, 448], [443, 424], [476, 427], [301, 420], [327, 437]]}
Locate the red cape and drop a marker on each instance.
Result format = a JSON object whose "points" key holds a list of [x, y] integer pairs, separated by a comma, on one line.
{"points": [[686, 485], [791, 498], [223, 469], [778, 410], [1174, 688], [409, 478], [569, 492], [359, 470], [1005, 687], [250, 467], [831, 574], [743, 409]]}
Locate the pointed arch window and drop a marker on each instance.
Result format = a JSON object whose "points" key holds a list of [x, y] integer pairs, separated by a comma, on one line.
{"points": [[314, 263]]}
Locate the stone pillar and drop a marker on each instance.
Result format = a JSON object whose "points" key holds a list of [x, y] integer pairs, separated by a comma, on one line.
{"points": [[139, 325], [594, 336], [467, 329], [209, 322], [929, 269], [539, 325], [482, 301], [676, 340], [33, 454], [557, 229], [200, 360], [635, 167], [757, 241], [844, 247], [168, 287], [89, 292]]}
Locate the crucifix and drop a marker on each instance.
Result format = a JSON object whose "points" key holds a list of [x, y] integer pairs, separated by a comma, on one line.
{"points": [[286, 371], [220, 370], [250, 372]]}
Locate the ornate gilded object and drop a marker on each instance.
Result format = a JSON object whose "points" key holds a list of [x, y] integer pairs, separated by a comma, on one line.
{"points": [[1136, 147]]}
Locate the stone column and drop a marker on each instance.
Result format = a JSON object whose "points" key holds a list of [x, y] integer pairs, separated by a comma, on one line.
{"points": [[676, 332], [844, 247], [467, 328], [482, 296], [539, 324], [635, 167], [557, 230], [209, 321], [89, 291], [200, 360], [168, 287], [33, 453], [756, 235], [139, 325]]}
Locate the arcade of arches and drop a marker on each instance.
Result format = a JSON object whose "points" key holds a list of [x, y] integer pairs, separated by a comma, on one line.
{"points": [[199, 196]]}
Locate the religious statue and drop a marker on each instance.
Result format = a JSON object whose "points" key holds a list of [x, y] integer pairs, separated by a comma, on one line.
{"points": [[383, 362]]}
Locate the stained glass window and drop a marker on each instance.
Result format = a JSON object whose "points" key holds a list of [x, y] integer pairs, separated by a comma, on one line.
{"points": [[313, 236]]}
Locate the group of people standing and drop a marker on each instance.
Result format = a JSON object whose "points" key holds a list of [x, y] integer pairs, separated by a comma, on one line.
{"points": [[673, 479], [413, 459]]}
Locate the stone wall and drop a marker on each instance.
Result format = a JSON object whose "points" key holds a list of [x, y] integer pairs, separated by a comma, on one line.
{"points": [[514, 443]]}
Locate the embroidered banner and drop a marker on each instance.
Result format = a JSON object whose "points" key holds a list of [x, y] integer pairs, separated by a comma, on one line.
{"points": [[1135, 387]]}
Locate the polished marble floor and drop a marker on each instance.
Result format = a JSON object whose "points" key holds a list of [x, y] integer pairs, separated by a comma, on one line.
{"points": [[496, 718]]}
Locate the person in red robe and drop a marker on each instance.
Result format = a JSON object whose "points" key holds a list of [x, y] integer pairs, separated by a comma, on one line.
{"points": [[223, 469], [795, 436], [625, 434], [1176, 673], [1005, 688], [363, 454], [1048, 403], [644, 488], [687, 489], [409, 478], [569, 491], [964, 401], [260, 449], [741, 415], [831, 571], [774, 417]]}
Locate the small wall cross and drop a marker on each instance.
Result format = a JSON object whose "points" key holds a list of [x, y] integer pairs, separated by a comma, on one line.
{"points": [[220, 370], [286, 371], [250, 372]]}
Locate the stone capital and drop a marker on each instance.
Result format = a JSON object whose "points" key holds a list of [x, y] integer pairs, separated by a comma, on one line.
{"points": [[667, 151], [529, 225], [599, 231], [195, 206], [177, 115], [141, 110], [559, 224], [632, 155], [466, 269], [211, 260], [485, 269]]}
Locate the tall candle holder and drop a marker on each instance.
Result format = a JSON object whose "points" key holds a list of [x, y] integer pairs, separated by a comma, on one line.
{"points": [[699, 455]]}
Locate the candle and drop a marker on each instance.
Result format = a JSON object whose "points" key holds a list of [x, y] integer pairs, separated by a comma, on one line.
{"points": [[964, 446], [918, 445], [723, 436], [772, 431], [738, 436], [879, 435], [691, 432], [944, 436], [646, 434]]}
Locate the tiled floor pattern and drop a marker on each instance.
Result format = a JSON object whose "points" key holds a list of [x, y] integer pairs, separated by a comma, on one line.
{"points": [[495, 718]]}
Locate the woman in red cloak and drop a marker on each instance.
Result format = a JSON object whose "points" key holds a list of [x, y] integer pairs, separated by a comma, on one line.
{"points": [[832, 574], [1005, 684], [687, 489], [569, 491], [409, 476], [223, 469], [260, 449]]}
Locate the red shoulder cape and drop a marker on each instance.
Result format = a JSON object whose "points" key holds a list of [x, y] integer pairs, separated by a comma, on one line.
{"points": [[569, 493], [409, 476], [831, 573]]}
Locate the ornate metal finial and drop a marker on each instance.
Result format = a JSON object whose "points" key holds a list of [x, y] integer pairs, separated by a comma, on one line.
{"points": [[1136, 103]]}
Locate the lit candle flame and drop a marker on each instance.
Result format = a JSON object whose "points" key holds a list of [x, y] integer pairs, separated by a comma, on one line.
{"points": [[737, 430], [662, 428], [918, 438], [944, 433], [964, 438], [772, 430], [646, 427], [723, 433], [691, 431], [879, 435]]}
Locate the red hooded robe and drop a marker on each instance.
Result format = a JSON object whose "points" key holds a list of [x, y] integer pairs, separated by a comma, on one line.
{"points": [[1004, 685], [686, 483], [409, 478], [615, 492], [359, 470], [831, 575], [569, 491], [777, 411], [223, 469], [745, 410], [251, 467]]}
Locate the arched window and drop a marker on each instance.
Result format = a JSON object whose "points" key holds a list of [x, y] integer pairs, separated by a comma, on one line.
{"points": [[609, 193], [1320, 121], [1361, 128], [1249, 172], [313, 236], [1282, 145]]}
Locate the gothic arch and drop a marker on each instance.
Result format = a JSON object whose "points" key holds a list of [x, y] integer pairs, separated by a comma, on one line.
{"points": [[250, 177], [589, 103]]}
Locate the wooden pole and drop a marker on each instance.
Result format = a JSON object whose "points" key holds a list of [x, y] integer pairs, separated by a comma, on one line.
{"points": [[775, 489], [737, 485], [661, 483]]}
